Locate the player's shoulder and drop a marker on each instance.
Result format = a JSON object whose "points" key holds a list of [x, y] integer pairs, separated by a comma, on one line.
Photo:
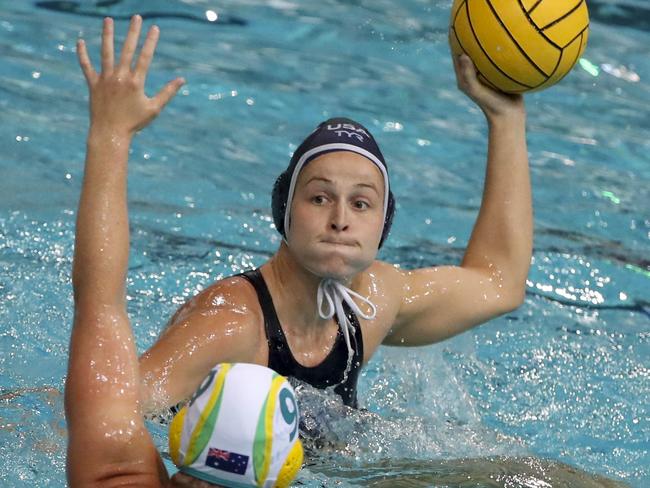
{"points": [[384, 270], [230, 295], [385, 277], [236, 288]]}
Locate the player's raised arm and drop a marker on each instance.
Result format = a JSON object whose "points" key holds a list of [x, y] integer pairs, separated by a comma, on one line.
{"points": [[108, 442], [491, 280]]}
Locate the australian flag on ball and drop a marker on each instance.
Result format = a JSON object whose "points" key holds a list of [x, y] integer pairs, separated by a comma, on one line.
{"points": [[230, 462]]}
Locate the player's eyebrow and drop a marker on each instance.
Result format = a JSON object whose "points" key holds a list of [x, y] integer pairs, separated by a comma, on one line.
{"points": [[325, 180]]}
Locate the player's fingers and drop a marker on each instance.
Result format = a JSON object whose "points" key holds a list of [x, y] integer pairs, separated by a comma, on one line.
{"points": [[107, 46], [467, 69], [461, 80], [84, 61], [146, 55], [131, 43], [454, 59], [168, 92], [470, 82]]}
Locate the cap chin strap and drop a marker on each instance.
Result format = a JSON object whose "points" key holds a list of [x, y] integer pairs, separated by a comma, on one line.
{"points": [[334, 293]]}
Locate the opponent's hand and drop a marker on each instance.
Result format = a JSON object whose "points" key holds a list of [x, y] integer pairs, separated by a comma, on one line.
{"points": [[118, 103], [493, 103]]}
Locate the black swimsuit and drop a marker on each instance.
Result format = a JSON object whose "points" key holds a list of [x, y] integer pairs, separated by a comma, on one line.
{"points": [[331, 370]]}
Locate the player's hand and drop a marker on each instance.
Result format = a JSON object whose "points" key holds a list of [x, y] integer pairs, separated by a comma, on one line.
{"points": [[493, 103], [118, 103]]}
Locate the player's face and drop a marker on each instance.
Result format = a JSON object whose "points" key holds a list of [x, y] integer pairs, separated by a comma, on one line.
{"points": [[337, 215]]}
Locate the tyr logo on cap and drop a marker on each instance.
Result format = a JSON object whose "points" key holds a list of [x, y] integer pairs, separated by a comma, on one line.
{"points": [[344, 129]]}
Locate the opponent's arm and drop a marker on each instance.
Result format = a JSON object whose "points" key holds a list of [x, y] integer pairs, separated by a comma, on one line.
{"points": [[108, 442], [444, 301]]}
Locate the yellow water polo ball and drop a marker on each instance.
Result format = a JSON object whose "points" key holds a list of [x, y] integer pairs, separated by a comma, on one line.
{"points": [[520, 46]]}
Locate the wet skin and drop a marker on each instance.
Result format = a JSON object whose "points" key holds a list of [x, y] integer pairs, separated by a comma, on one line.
{"points": [[337, 215], [335, 232]]}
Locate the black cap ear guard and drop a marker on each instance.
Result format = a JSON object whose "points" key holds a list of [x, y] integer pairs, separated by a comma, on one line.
{"points": [[279, 199]]}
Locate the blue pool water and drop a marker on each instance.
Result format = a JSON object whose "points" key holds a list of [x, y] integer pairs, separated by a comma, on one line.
{"points": [[565, 377]]}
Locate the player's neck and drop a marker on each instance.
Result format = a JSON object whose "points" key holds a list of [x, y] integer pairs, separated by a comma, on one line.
{"points": [[294, 290]]}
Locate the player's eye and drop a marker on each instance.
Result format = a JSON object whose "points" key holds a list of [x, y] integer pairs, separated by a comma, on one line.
{"points": [[361, 204]]}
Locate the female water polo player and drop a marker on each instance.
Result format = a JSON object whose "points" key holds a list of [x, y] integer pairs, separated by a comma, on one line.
{"points": [[316, 311]]}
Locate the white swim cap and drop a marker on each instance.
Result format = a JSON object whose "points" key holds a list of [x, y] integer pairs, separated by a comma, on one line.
{"points": [[240, 429]]}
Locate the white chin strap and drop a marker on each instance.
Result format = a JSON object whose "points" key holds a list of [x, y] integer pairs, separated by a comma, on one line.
{"points": [[335, 293]]}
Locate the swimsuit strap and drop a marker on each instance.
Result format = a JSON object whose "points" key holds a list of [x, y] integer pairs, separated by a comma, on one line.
{"points": [[271, 322], [332, 370]]}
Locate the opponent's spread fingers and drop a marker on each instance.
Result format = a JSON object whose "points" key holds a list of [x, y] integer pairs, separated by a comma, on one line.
{"points": [[107, 46], [146, 54], [84, 61], [131, 42], [168, 92]]}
